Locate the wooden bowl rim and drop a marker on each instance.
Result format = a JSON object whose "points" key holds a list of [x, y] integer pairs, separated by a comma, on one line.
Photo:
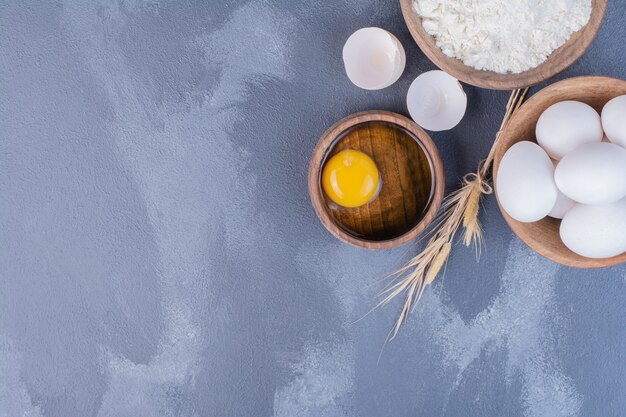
{"points": [[533, 242], [558, 61], [329, 137]]}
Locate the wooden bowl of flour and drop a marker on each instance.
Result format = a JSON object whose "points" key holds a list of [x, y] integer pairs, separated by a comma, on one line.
{"points": [[558, 61]]}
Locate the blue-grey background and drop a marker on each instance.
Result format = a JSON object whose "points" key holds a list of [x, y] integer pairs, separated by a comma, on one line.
{"points": [[159, 255]]}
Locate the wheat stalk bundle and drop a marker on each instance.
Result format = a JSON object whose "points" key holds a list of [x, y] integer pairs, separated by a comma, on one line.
{"points": [[459, 209]]}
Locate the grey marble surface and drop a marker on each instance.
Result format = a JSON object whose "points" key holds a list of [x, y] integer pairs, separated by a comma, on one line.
{"points": [[159, 255]]}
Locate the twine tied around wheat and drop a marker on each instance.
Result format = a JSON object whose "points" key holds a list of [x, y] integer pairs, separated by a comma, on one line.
{"points": [[460, 208]]}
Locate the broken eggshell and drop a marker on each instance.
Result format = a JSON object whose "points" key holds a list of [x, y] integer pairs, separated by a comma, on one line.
{"points": [[436, 101], [374, 58]]}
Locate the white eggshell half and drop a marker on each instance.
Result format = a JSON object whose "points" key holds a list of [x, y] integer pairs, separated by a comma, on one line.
{"points": [[614, 120], [436, 101], [525, 185], [595, 231], [594, 173], [563, 203], [373, 58], [565, 126]]}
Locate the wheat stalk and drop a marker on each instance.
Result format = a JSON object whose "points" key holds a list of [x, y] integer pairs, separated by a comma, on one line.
{"points": [[460, 208]]}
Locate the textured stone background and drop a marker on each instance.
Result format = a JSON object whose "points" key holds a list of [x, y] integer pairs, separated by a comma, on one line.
{"points": [[159, 255]]}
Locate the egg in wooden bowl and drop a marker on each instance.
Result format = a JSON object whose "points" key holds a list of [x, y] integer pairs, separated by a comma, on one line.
{"points": [[376, 180], [545, 235]]}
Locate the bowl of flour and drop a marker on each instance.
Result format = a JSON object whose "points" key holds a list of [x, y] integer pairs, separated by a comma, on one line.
{"points": [[503, 44]]}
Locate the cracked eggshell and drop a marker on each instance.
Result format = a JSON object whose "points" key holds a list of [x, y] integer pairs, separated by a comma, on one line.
{"points": [[525, 182], [595, 231], [565, 126], [614, 120], [436, 101], [594, 173], [373, 58]]}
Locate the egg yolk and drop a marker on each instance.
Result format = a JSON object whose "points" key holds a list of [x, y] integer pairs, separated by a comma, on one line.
{"points": [[350, 178]]}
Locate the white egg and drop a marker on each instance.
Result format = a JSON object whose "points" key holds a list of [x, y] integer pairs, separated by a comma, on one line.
{"points": [[373, 58], [562, 206], [436, 101], [614, 120], [595, 231], [565, 126], [563, 203], [525, 182], [594, 173]]}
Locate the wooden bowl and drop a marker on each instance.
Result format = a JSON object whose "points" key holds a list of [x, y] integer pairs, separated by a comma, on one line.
{"points": [[412, 180], [543, 236], [560, 59]]}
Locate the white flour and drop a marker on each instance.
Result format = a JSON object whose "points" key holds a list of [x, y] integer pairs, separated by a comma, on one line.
{"points": [[502, 35]]}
